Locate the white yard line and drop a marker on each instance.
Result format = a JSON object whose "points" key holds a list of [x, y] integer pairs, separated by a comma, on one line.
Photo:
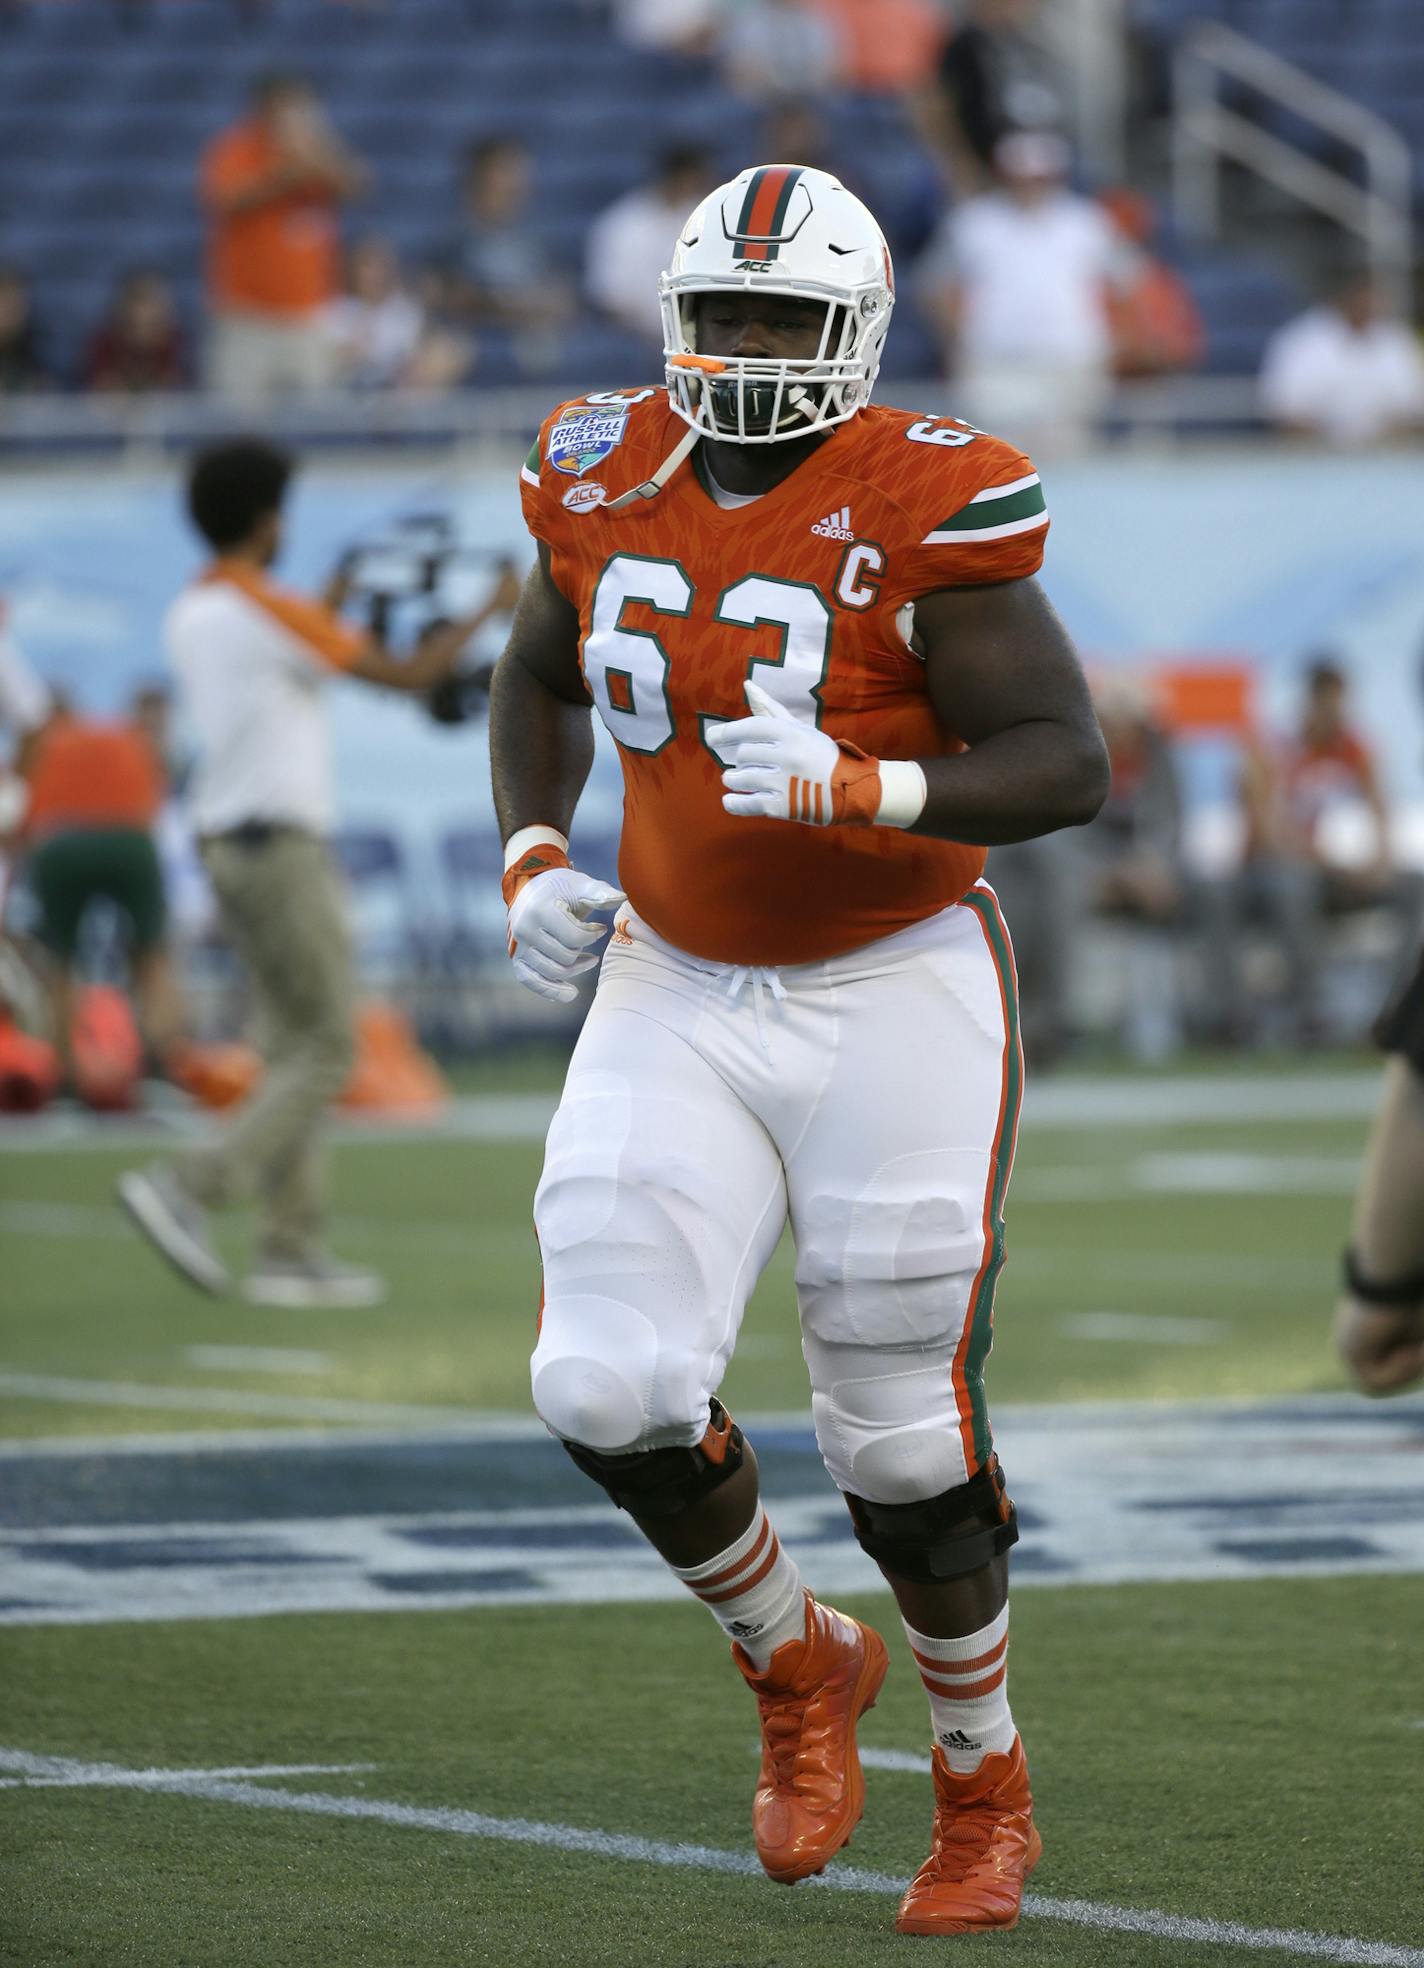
{"points": [[895, 1759], [1221, 1099], [67, 1779], [1207, 1173], [104, 1222], [75, 1392], [258, 1359], [211, 1787], [1143, 1328], [473, 1425]]}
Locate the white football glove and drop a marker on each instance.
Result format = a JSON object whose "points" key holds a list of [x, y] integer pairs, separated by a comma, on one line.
{"points": [[551, 939], [777, 768]]}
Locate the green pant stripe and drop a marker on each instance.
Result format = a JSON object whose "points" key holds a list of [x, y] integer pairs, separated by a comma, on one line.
{"points": [[981, 1310]]}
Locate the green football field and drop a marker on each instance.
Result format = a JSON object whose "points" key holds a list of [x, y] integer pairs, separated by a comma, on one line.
{"points": [[313, 1650]]}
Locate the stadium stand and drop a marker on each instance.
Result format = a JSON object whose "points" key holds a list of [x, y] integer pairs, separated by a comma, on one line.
{"points": [[409, 87]]}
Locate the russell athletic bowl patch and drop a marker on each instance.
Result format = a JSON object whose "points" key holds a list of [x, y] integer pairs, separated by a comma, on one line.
{"points": [[577, 444]]}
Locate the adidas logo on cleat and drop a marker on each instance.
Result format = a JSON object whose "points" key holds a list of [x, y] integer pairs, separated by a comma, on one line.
{"points": [[835, 526]]}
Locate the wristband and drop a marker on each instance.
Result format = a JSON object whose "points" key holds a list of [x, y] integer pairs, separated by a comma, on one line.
{"points": [[519, 844], [537, 857], [903, 792]]}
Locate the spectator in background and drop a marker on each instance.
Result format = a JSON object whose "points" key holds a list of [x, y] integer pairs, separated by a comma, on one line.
{"points": [[272, 187], [22, 362], [994, 79], [377, 328], [94, 793], [1017, 282], [1136, 872], [138, 346], [888, 47], [1156, 327], [1293, 875], [631, 241], [252, 661], [778, 49], [499, 273], [1347, 372], [672, 27], [908, 204], [794, 132]]}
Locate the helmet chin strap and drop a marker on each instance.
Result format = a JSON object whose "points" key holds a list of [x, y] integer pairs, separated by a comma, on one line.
{"points": [[650, 487]]}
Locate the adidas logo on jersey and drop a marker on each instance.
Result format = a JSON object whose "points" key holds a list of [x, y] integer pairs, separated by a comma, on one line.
{"points": [[835, 526]]}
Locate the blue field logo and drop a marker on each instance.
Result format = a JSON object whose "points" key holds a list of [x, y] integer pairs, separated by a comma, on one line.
{"points": [[580, 442]]}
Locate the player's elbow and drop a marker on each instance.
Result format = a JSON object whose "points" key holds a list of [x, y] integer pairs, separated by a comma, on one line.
{"points": [[1087, 775]]}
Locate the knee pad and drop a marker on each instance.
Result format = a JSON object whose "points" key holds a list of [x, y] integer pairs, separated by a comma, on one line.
{"points": [[665, 1482], [886, 1419], [893, 1264], [945, 1537], [592, 1372]]}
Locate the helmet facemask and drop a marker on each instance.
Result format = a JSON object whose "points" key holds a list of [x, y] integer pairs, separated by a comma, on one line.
{"points": [[771, 399]]}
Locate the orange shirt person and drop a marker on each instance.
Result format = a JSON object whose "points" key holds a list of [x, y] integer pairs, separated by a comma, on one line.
{"points": [[94, 790], [271, 188]]}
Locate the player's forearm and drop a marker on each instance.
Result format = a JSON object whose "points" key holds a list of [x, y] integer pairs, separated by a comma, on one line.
{"points": [[1029, 780], [541, 751]]}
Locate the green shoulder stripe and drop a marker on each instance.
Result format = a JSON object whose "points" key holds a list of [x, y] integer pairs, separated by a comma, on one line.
{"points": [[531, 463], [982, 513]]}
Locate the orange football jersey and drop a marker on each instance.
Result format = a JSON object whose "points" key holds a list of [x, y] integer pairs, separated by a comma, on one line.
{"points": [[804, 589]]}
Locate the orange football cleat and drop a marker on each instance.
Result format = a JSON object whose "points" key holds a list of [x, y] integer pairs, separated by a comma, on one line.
{"points": [[985, 1846], [810, 1792]]}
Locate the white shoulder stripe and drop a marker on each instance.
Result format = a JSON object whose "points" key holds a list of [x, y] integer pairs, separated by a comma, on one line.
{"points": [[980, 534], [529, 477], [1004, 491]]}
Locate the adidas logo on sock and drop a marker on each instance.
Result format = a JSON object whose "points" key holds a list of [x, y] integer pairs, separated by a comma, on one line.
{"points": [[956, 1739], [835, 526], [745, 1629]]}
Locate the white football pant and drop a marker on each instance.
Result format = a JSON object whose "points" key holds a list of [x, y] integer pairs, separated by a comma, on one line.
{"points": [[872, 1099]]}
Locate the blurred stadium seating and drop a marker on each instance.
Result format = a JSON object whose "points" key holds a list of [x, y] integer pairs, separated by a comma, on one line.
{"points": [[143, 89]]}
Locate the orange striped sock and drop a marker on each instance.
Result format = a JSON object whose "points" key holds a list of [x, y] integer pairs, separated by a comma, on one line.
{"points": [[967, 1681], [752, 1590]]}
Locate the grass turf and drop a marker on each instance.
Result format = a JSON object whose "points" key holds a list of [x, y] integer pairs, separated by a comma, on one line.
{"points": [[449, 1222], [1214, 1751]]}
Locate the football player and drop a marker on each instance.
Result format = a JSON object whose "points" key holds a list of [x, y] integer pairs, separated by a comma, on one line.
{"points": [[1379, 1321], [811, 626]]}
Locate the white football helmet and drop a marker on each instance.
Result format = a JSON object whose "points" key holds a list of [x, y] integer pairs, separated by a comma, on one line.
{"points": [[778, 229]]}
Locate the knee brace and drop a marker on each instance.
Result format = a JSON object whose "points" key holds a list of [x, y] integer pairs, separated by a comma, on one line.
{"points": [[665, 1482], [927, 1542], [1374, 1291]]}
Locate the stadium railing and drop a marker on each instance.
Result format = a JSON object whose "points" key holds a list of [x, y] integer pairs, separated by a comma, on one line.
{"points": [[144, 429]]}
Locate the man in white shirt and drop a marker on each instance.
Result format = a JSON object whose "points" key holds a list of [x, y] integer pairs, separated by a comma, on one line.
{"points": [[1345, 372], [631, 241], [253, 662], [1017, 280]]}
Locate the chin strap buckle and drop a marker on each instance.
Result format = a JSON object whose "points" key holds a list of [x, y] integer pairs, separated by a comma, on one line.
{"points": [[650, 487]]}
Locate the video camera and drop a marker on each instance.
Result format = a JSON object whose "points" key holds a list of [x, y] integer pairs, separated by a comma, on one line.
{"points": [[414, 576]]}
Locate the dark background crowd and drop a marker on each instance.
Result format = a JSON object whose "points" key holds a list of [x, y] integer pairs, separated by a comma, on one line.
{"points": [[428, 197]]}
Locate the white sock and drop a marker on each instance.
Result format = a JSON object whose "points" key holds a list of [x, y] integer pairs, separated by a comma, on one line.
{"points": [[753, 1591], [967, 1683]]}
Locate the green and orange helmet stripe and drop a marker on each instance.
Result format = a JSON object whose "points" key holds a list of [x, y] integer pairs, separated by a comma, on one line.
{"points": [[762, 220]]}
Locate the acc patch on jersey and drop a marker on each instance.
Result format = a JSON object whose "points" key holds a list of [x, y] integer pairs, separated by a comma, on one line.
{"points": [[578, 443]]}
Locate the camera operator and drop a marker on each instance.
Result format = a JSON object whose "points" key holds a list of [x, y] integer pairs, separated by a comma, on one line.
{"points": [[252, 662], [411, 571]]}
